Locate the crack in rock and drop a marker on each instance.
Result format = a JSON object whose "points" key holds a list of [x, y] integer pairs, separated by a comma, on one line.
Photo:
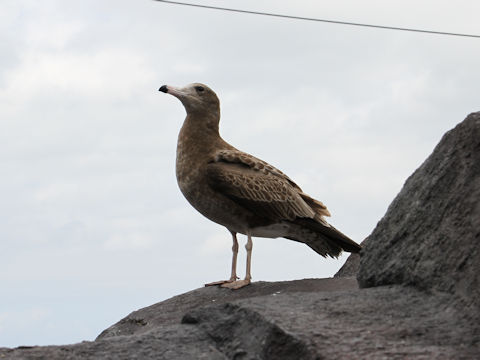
{"points": [[241, 333]]}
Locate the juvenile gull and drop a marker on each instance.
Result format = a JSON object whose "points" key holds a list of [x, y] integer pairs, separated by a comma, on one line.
{"points": [[243, 193]]}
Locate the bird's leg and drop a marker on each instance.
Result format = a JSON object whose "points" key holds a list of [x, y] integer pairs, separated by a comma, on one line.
{"points": [[233, 277], [249, 247], [241, 283]]}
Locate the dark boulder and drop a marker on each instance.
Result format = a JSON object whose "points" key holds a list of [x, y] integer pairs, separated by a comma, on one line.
{"points": [[350, 268], [430, 236]]}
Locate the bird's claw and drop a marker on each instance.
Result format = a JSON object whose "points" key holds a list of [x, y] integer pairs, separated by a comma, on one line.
{"points": [[235, 285], [222, 282]]}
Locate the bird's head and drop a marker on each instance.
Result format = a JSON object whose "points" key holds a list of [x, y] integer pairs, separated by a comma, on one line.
{"points": [[196, 97]]}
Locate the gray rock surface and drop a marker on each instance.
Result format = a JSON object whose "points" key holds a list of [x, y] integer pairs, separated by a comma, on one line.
{"points": [[350, 268], [419, 298], [304, 319], [171, 311], [430, 235]]}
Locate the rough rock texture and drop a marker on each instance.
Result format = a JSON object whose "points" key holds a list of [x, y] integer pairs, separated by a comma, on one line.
{"points": [[430, 235], [420, 298], [350, 268], [304, 319], [172, 311]]}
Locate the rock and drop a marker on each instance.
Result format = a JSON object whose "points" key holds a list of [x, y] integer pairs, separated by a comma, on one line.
{"points": [[241, 332], [168, 342], [419, 297], [172, 311], [430, 235], [350, 268], [304, 319]]}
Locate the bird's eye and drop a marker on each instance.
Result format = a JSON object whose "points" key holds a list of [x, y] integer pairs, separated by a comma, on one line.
{"points": [[199, 88]]}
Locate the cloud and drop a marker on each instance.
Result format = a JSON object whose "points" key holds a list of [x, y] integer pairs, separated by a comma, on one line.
{"points": [[128, 241], [112, 74], [216, 244], [30, 317]]}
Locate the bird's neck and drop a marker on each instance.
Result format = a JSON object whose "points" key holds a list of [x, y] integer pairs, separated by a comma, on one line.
{"points": [[199, 135], [199, 121]]}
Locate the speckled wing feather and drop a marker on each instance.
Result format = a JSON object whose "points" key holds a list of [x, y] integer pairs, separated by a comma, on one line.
{"points": [[238, 157], [271, 195], [258, 186]]}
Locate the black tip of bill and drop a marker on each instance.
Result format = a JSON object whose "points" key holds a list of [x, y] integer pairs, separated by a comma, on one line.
{"points": [[163, 88]]}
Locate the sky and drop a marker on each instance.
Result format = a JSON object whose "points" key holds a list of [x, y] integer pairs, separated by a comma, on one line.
{"points": [[92, 224]]}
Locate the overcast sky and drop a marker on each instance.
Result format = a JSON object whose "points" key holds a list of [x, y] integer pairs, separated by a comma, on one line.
{"points": [[92, 224]]}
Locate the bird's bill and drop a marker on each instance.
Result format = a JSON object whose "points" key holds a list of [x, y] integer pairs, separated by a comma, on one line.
{"points": [[172, 90]]}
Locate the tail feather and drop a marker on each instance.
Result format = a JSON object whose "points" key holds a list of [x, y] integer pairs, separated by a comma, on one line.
{"points": [[324, 239], [317, 206]]}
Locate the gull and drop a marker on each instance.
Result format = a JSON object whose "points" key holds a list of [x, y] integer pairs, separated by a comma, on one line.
{"points": [[241, 192]]}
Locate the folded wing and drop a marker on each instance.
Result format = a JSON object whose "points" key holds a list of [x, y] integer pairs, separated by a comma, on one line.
{"points": [[269, 193]]}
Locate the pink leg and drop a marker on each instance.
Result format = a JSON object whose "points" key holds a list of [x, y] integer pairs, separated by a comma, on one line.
{"points": [[248, 277], [233, 276]]}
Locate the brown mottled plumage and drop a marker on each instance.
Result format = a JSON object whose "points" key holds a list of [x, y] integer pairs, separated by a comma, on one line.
{"points": [[241, 192]]}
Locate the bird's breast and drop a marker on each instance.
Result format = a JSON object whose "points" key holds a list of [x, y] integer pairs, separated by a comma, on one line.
{"points": [[192, 181], [188, 166], [193, 156]]}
